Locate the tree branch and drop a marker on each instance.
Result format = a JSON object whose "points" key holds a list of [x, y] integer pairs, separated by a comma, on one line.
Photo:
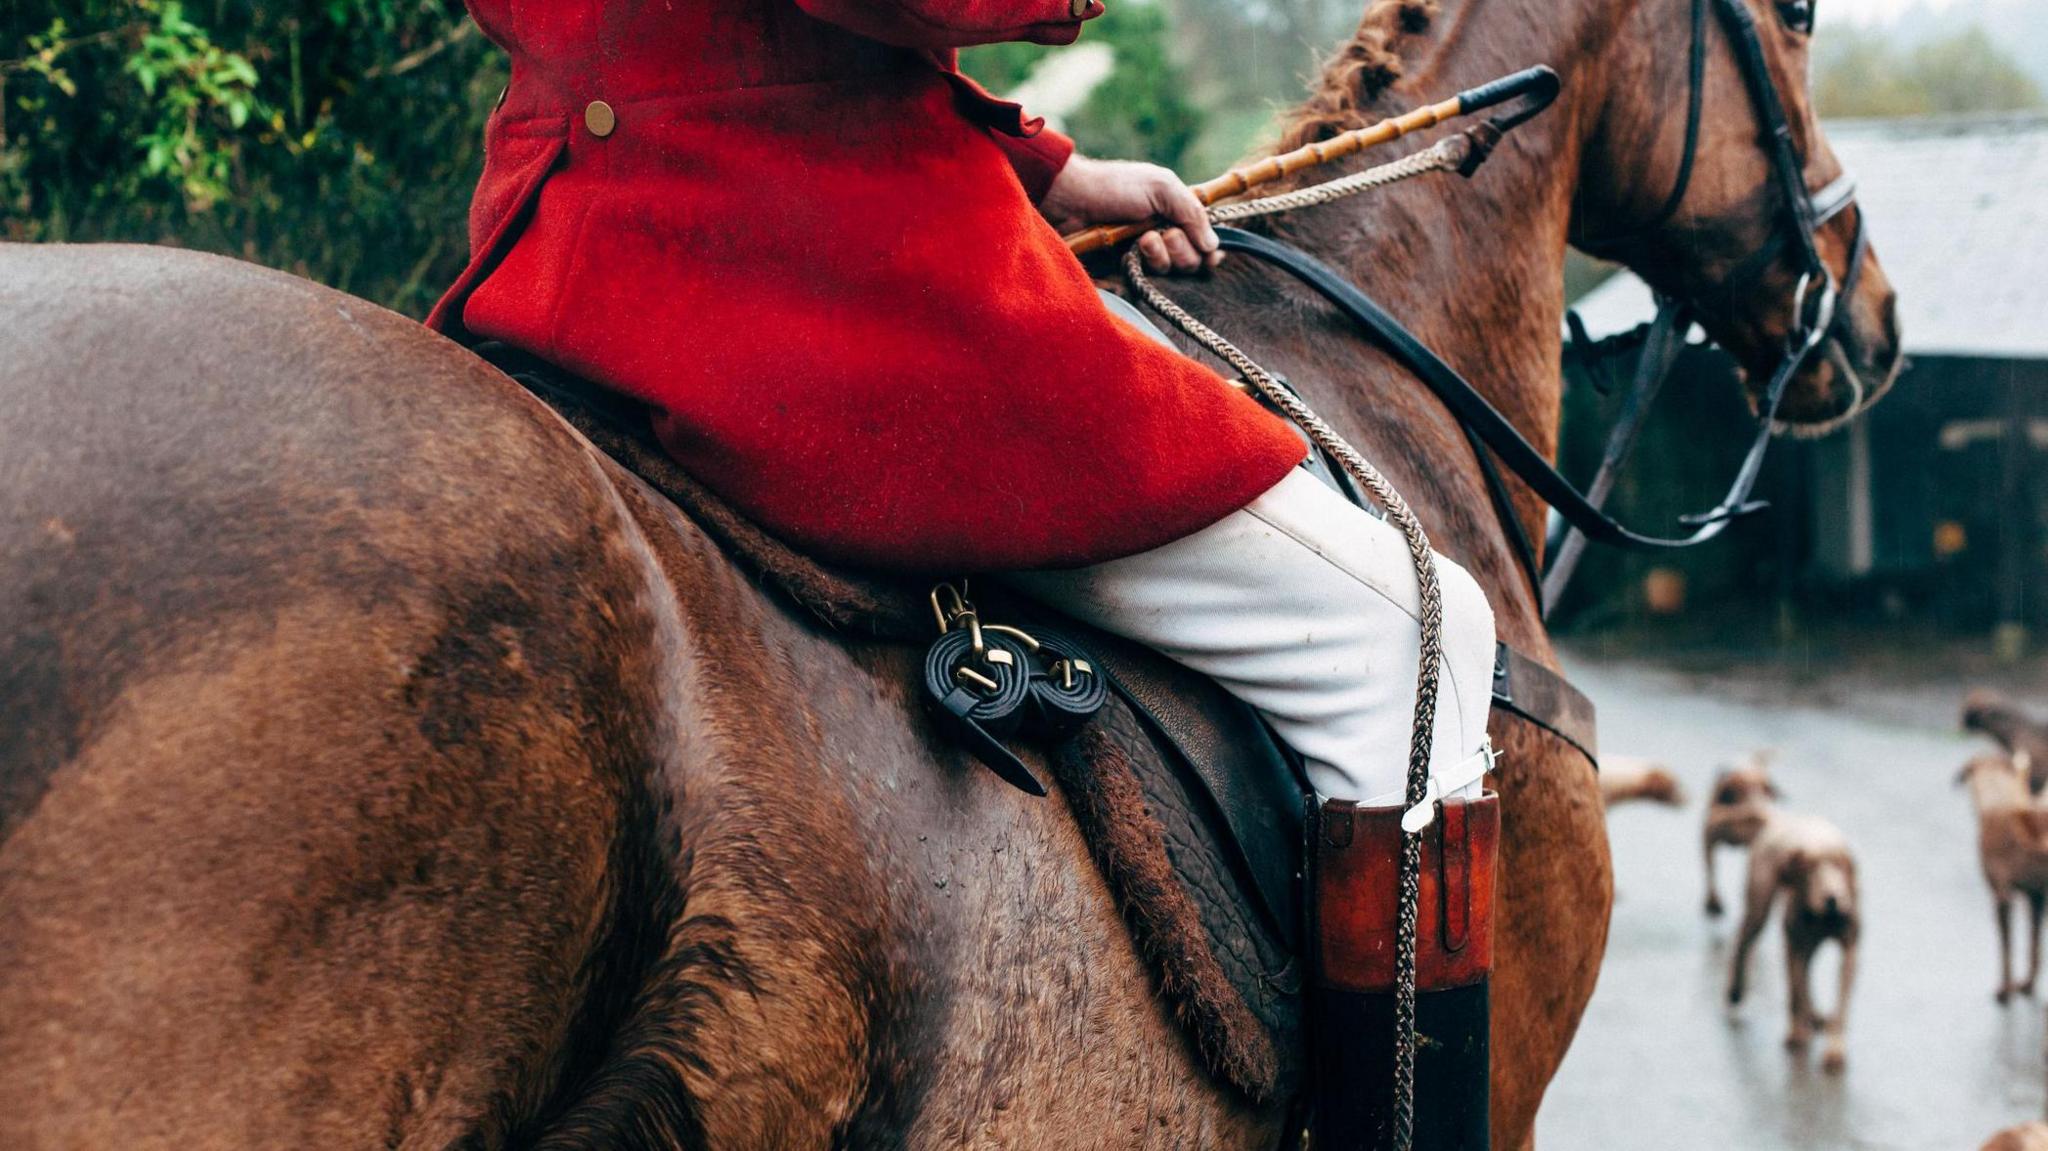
{"points": [[58, 48], [412, 60]]}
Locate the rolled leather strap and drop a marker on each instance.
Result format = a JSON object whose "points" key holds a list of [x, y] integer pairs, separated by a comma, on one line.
{"points": [[1067, 686], [978, 717], [1352, 1017]]}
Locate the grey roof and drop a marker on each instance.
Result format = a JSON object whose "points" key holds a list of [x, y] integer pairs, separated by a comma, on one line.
{"points": [[1958, 212]]}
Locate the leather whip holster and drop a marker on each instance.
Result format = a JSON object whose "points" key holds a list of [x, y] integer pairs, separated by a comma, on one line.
{"points": [[1357, 853]]}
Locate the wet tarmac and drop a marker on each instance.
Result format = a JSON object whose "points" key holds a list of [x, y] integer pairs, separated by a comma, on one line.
{"points": [[1661, 1062]]}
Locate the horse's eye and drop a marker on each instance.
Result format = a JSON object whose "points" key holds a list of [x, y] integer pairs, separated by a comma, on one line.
{"points": [[1797, 15]]}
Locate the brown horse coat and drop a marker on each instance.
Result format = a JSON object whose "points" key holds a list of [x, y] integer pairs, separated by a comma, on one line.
{"points": [[380, 768], [400, 773]]}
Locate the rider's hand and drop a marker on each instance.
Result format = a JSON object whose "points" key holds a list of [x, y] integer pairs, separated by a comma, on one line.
{"points": [[1089, 192]]}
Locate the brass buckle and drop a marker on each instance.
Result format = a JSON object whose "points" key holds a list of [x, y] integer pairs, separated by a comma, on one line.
{"points": [[948, 604], [1067, 669], [952, 609]]}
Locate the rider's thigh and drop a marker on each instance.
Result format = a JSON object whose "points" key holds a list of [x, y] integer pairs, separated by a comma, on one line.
{"points": [[1307, 608]]}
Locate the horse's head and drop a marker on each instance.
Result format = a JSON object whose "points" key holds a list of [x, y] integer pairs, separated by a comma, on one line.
{"points": [[1708, 175]]}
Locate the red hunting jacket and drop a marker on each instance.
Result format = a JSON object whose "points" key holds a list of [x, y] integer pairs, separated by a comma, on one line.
{"points": [[800, 235]]}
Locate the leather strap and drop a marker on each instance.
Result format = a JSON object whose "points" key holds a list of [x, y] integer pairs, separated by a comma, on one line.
{"points": [[1663, 340], [1530, 691], [978, 719], [1480, 417]]}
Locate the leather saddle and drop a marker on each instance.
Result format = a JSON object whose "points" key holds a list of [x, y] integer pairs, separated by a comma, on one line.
{"points": [[1176, 776]]}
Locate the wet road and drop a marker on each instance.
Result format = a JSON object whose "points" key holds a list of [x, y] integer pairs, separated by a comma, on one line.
{"points": [[1661, 1062]]}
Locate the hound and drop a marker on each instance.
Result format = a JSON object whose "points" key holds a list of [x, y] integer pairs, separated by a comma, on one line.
{"points": [[1627, 778], [2025, 1137], [1735, 812], [1809, 859], [2022, 737], [2012, 847]]}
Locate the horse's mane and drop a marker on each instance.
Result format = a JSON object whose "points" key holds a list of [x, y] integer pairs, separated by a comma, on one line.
{"points": [[1360, 72]]}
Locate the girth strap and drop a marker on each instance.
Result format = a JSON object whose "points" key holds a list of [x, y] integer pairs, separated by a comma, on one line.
{"points": [[1528, 690]]}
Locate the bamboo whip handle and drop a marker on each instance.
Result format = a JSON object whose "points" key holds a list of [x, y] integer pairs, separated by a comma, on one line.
{"points": [[1272, 168]]}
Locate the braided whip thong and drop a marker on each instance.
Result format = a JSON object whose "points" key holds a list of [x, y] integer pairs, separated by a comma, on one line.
{"points": [[1453, 153], [1398, 512]]}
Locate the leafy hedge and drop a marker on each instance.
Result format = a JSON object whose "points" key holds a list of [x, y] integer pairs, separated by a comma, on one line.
{"points": [[337, 138]]}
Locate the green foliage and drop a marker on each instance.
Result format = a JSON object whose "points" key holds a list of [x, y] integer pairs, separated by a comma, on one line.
{"points": [[1861, 73], [341, 139], [1141, 111], [1001, 67], [337, 138]]}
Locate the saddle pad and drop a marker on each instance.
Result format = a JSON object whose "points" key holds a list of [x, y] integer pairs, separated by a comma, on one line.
{"points": [[1234, 984], [1193, 813]]}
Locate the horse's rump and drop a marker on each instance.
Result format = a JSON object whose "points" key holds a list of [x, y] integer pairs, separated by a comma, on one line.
{"points": [[379, 765], [323, 695]]}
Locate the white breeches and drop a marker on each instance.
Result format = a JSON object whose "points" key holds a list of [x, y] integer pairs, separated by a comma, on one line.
{"points": [[1307, 608]]}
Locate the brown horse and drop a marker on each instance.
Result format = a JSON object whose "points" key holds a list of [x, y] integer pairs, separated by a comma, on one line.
{"points": [[381, 766]]}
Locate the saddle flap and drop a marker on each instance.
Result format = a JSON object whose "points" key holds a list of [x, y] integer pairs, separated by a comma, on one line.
{"points": [[1254, 787]]}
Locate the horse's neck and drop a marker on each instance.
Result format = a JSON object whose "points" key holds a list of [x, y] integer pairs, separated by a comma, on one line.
{"points": [[1476, 268]]}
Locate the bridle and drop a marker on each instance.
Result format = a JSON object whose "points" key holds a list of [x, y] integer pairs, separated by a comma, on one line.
{"points": [[1799, 216], [1496, 442], [1815, 295]]}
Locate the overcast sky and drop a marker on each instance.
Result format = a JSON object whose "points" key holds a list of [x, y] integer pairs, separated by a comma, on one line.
{"points": [[1874, 11]]}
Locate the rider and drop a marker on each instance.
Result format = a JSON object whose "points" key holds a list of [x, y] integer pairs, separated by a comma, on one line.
{"points": [[809, 244]]}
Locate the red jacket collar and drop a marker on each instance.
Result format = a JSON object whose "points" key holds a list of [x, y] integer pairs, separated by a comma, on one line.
{"points": [[985, 107]]}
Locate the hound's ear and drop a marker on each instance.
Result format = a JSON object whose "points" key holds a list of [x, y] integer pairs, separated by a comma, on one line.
{"points": [[1771, 789], [1963, 773], [1763, 757]]}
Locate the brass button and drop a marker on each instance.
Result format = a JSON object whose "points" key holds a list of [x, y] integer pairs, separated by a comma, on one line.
{"points": [[600, 118]]}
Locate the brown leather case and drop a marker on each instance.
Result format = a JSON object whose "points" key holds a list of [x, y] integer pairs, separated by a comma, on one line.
{"points": [[1357, 899]]}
